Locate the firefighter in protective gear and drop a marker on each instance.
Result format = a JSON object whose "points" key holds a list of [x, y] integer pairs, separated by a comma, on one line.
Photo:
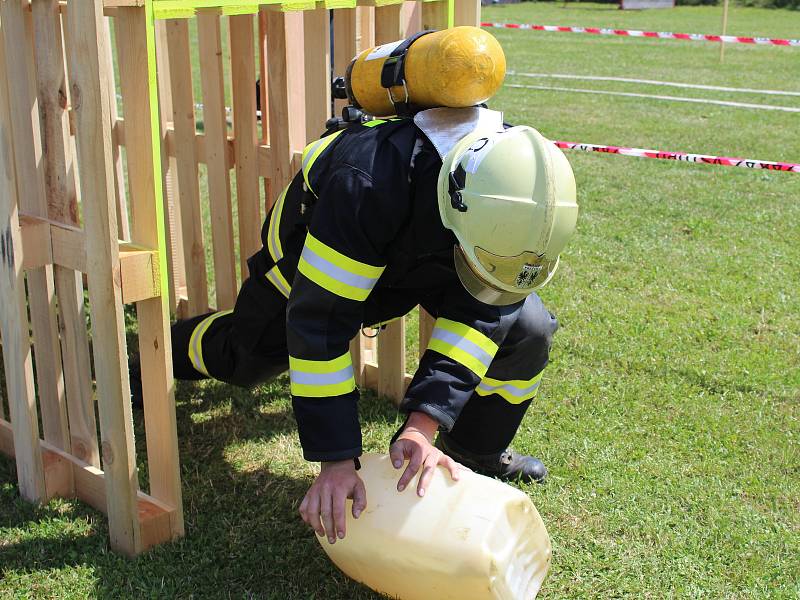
{"points": [[449, 210]]}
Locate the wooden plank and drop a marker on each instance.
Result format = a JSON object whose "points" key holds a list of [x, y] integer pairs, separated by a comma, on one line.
{"points": [[263, 89], [189, 195], [123, 223], [169, 167], [426, 323], [62, 206], [14, 317], [467, 12], [35, 236], [29, 163], [365, 27], [388, 25], [286, 93], [140, 274], [434, 15], [392, 361], [411, 18], [170, 148], [357, 356], [87, 57], [316, 32], [216, 132], [69, 247], [243, 77], [344, 45], [137, 37], [155, 517]]}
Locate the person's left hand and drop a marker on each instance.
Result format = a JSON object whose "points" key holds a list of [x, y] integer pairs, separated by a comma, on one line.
{"points": [[415, 444]]}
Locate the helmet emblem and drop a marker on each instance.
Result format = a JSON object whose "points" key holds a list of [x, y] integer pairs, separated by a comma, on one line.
{"points": [[527, 275]]}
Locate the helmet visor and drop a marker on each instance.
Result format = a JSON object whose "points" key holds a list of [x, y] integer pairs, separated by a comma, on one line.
{"points": [[479, 288], [526, 271]]}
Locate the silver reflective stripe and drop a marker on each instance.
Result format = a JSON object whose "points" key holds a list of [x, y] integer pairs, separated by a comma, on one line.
{"points": [[510, 389], [321, 378], [275, 279], [464, 344], [339, 274], [310, 150]]}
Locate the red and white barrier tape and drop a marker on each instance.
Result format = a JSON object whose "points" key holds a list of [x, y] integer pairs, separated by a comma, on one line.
{"points": [[724, 161], [694, 37]]}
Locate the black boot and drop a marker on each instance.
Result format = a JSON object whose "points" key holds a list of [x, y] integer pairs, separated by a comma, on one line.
{"points": [[507, 465]]}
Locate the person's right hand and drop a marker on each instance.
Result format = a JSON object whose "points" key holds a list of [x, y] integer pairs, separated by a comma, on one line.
{"points": [[326, 498]]}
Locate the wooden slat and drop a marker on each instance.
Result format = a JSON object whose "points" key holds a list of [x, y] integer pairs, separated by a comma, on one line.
{"points": [[467, 12], [344, 45], [411, 18], [388, 26], [155, 517], [87, 57], [392, 361], [69, 249], [243, 76], [14, 317], [426, 323], [189, 195], [357, 356], [365, 27], [36, 249], [170, 146], [29, 164], [62, 203], [286, 93], [263, 88], [216, 132], [123, 224], [316, 32], [169, 168], [434, 15], [135, 35]]}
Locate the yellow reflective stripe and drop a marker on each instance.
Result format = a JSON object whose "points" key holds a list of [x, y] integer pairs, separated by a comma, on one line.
{"points": [[376, 122], [323, 391], [312, 152], [514, 391], [458, 355], [340, 260], [468, 333], [463, 344], [273, 236], [277, 279], [196, 341], [321, 378], [320, 366], [337, 273]]}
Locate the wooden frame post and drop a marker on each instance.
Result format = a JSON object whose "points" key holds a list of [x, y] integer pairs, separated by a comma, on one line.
{"points": [[93, 141], [14, 314]]}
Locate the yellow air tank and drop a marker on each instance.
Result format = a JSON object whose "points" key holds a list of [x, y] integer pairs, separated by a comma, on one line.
{"points": [[457, 67], [475, 539]]}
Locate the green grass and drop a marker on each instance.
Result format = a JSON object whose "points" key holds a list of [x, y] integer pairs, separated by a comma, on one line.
{"points": [[669, 417]]}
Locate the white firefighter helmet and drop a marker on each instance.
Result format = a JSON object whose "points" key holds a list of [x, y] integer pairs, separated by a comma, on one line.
{"points": [[509, 198]]}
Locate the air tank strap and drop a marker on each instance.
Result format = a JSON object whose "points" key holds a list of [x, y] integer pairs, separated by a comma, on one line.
{"points": [[393, 73]]}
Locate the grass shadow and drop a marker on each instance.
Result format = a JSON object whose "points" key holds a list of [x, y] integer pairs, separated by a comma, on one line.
{"points": [[240, 512]]}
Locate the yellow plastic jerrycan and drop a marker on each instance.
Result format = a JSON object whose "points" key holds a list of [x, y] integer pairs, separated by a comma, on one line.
{"points": [[457, 67], [474, 539]]}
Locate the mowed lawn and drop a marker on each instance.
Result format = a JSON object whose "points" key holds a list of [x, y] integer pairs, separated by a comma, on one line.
{"points": [[669, 417]]}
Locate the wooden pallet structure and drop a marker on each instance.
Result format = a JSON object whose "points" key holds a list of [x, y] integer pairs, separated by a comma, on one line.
{"points": [[101, 209]]}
